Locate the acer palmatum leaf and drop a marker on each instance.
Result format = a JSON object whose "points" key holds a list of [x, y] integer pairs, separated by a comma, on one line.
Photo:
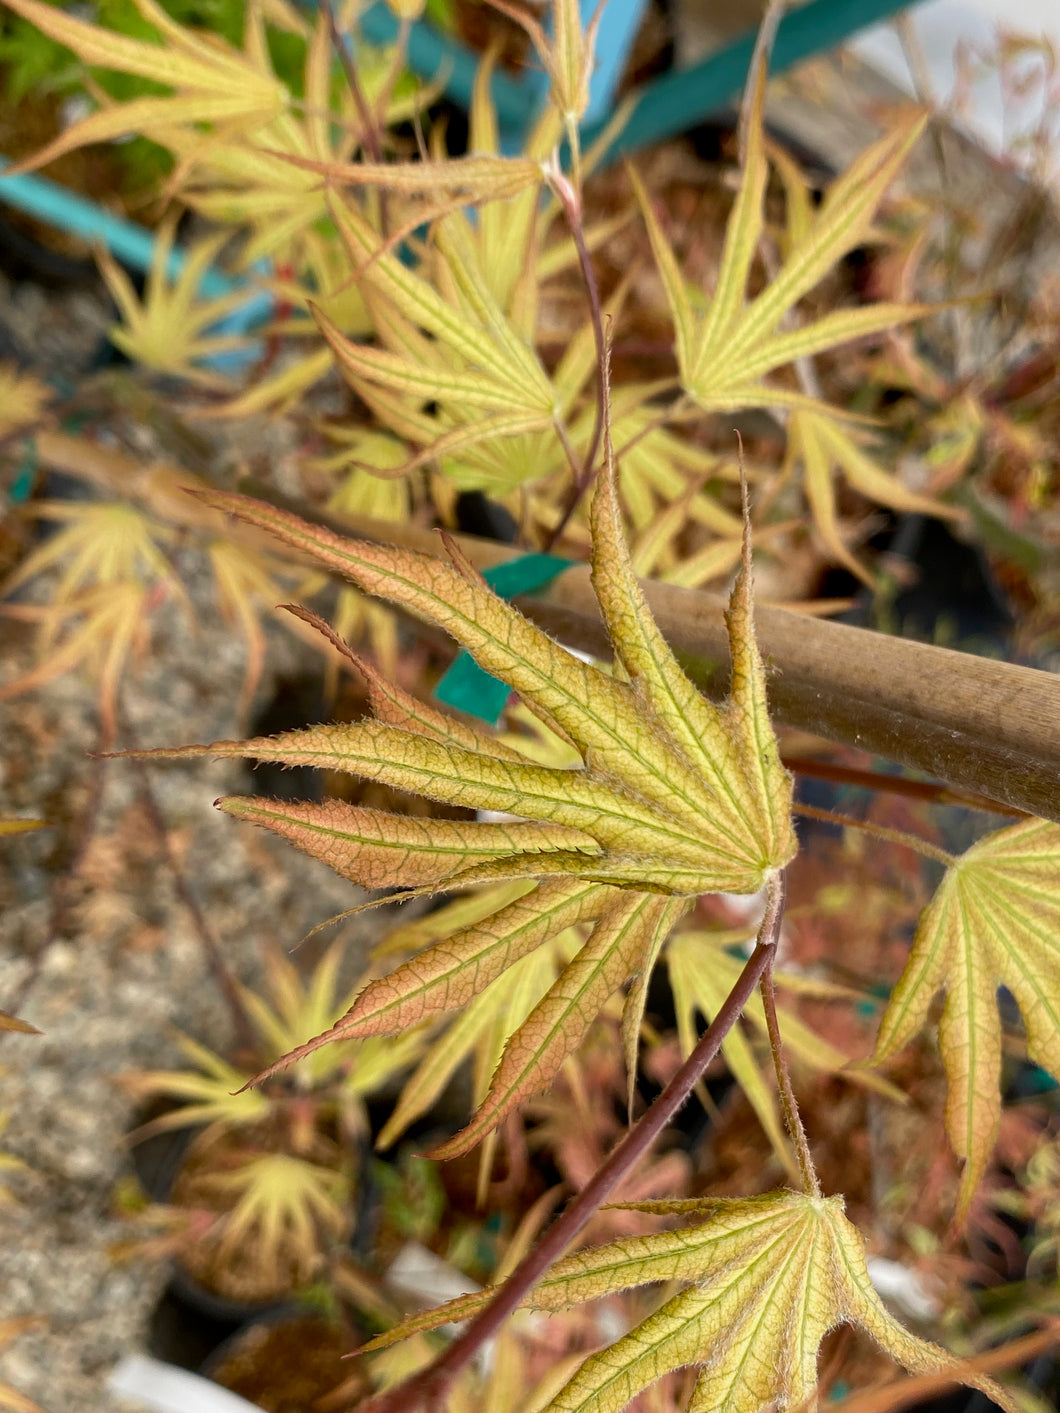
{"points": [[23, 400], [674, 797], [994, 921], [17, 1024], [212, 82], [726, 351], [765, 1279], [168, 329], [824, 446]]}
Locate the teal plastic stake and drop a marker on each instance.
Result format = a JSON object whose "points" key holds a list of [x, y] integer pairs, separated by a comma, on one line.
{"points": [[468, 687], [133, 246], [26, 473]]}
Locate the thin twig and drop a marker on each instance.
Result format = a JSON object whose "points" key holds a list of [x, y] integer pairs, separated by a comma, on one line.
{"points": [[370, 135], [924, 89], [792, 1117], [767, 33], [86, 827], [570, 199], [211, 948], [932, 792], [428, 1388], [879, 831]]}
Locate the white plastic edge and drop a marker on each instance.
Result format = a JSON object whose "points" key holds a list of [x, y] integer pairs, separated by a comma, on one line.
{"points": [[163, 1388]]}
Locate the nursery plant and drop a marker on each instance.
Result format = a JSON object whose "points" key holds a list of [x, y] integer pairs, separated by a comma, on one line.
{"points": [[432, 284], [264, 1192], [674, 797]]}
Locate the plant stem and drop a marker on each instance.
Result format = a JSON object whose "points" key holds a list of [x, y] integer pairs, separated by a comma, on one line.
{"points": [[570, 199], [211, 948], [428, 1388], [928, 790], [792, 1117], [370, 130], [878, 831], [767, 33]]}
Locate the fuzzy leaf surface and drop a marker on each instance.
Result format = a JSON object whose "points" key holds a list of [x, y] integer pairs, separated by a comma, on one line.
{"points": [[763, 1281], [663, 796], [680, 795], [381, 850]]}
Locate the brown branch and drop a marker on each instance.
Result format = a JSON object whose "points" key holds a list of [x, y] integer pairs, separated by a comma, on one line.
{"points": [[974, 723], [767, 33], [992, 728], [878, 831], [930, 791], [370, 130], [428, 1388], [571, 203], [222, 973]]}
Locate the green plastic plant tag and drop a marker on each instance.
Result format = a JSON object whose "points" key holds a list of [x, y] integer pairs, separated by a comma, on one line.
{"points": [[465, 685]]}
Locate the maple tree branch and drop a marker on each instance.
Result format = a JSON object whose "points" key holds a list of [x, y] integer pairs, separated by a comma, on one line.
{"points": [[949, 714], [763, 51], [428, 1388], [792, 1117], [933, 709]]}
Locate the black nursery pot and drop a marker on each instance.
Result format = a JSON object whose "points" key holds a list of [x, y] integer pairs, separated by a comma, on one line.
{"points": [[158, 1161], [285, 1361], [192, 1319]]}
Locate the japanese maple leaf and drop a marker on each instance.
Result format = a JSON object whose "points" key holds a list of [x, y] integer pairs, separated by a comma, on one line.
{"points": [[674, 796], [211, 81], [994, 921], [763, 1280]]}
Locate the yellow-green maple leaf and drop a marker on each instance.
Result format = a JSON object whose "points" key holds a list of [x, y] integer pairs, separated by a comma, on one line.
{"points": [[823, 445], [291, 1009], [111, 572], [480, 1028], [265, 177], [725, 352], [212, 82], [674, 796], [447, 341], [763, 1281], [995, 920], [283, 1210], [168, 330]]}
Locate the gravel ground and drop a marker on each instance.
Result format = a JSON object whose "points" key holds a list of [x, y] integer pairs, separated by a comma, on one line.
{"points": [[108, 980]]}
